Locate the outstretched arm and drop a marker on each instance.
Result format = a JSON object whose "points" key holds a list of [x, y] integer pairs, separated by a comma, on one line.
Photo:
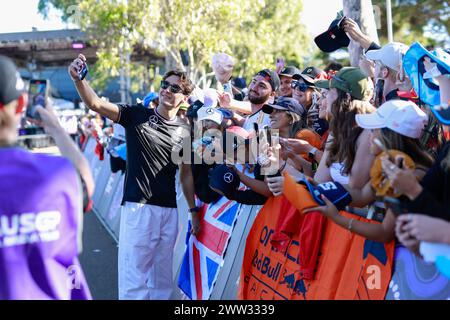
{"points": [[88, 95]]}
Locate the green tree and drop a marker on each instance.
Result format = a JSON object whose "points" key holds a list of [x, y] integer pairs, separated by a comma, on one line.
{"points": [[255, 32], [412, 18]]}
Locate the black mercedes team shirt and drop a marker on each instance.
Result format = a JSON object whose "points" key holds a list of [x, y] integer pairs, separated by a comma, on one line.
{"points": [[151, 139]]}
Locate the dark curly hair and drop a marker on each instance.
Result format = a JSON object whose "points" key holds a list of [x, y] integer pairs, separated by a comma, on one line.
{"points": [[185, 83]]}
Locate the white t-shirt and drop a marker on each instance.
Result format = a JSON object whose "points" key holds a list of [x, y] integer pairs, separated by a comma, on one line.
{"points": [[337, 175], [261, 118]]}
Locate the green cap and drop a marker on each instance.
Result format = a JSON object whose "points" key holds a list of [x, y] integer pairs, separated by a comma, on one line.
{"points": [[351, 80]]}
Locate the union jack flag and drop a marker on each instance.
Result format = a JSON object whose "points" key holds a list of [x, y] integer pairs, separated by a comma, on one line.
{"points": [[205, 252]]}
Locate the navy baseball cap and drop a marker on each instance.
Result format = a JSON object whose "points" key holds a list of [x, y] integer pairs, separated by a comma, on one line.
{"points": [[334, 38], [334, 192], [224, 180]]}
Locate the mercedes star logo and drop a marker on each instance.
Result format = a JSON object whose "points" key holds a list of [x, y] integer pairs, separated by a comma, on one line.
{"points": [[228, 177]]}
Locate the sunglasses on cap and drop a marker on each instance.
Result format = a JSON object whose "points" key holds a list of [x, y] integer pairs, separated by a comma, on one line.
{"points": [[174, 88], [295, 84]]}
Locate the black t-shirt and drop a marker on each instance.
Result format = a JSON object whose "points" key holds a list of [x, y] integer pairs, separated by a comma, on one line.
{"points": [[151, 139], [434, 199], [200, 173]]}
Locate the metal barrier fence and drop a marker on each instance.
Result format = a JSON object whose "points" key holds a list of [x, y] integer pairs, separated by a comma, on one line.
{"points": [[412, 278]]}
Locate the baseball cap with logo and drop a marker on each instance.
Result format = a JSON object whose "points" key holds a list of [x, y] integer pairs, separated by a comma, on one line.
{"points": [[11, 84], [334, 38], [224, 180], [403, 117], [332, 190], [351, 80], [289, 71], [286, 104], [212, 114], [310, 75], [390, 55], [271, 77]]}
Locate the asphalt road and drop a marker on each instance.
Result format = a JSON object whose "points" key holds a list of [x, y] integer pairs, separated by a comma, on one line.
{"points": [[99, 259]]}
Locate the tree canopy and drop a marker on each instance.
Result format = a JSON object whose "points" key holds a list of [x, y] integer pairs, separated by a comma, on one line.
{"points": [[255, 32], [411, 18]]}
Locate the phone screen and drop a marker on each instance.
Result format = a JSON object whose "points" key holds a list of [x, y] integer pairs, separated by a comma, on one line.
{"points": [[37, 95]]}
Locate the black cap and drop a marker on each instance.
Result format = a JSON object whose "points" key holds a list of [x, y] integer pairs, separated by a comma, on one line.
{"points": [[334, 38], [271, 77], [289, 71], [224, 179], [239, 83], [11, 84], [309, 75], [191, 112]]}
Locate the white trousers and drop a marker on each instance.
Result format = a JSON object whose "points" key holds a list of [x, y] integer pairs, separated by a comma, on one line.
{"points": [[146, 242]]}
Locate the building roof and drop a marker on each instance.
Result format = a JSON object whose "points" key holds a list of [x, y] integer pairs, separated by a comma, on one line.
{"points": [[66, 34]]}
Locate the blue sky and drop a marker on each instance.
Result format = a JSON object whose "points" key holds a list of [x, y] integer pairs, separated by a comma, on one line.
{"points": [[22, 15]]}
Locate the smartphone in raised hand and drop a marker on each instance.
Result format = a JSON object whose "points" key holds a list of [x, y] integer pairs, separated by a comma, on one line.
{"points": [[83, 72], [37, 96]]}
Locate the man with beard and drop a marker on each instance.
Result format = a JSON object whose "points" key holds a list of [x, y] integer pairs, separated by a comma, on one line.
{"points": [[262, 90]]}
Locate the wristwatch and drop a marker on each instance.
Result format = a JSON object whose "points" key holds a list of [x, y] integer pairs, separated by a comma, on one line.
{"points": [[312, 153], [194, 209]]}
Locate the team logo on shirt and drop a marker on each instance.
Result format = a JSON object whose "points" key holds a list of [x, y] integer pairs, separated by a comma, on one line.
{"points": [[153, 120], [209, 111], [228, 177], [28, 228]]}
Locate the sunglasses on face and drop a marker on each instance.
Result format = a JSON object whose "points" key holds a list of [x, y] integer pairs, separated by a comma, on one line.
{"points": [[174, 88], [299, 85]]}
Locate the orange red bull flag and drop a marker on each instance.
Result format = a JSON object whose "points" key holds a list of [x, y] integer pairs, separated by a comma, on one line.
{"points": [[348, 266]]}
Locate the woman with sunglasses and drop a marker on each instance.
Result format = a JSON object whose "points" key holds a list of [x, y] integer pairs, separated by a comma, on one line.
{"points": [[307, 95], [309, 145]]}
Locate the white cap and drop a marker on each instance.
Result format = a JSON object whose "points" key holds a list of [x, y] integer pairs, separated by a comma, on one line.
{"points": [[390, 55], [205, 113], [210, 98], [403, 117]]}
